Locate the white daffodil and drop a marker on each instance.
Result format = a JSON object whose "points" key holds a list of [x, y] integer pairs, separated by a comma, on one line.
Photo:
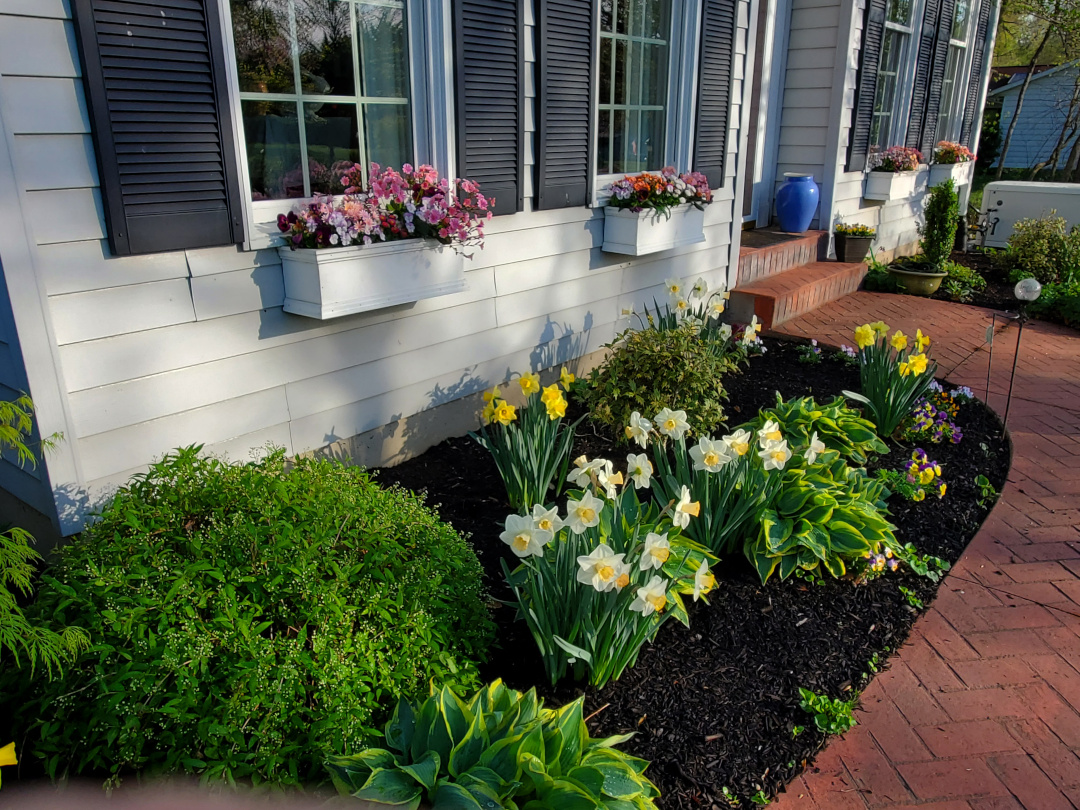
{"points": [[674, 286], [710, 455], [607, 480], [704, 581], [601, 568], [546, 520], [775, 455], [717, 307], [656, 552], [671, 423], [523, 537], [754, 325], [652, 598], [816, 446], [770, 433], [725, 331], [583, 514], [700, 288], [739, 442], [685, 509], [681, 305], [640, 469], [581, 475], [749, 337], [622, 574], [638, 429]]}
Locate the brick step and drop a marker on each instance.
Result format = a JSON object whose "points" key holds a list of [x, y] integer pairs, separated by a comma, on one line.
{"points": [[756, 263], [775, 299]]}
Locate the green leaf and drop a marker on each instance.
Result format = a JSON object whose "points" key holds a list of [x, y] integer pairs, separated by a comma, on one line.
{"points": [[574, 651], [588, 779], [391, 787], [467, 752], [568, 796], [426, 771], [399, 729], [450, 796]]}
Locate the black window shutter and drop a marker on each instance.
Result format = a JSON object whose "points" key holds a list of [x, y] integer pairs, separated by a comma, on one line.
{"points": [[489, 38], [866, 85], [156, 89], [566, 43], [927, 39], [714, 89], [975, 83], [937, 78]]}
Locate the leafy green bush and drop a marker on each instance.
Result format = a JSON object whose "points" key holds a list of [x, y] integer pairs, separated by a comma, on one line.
{"points": [[942, 216], [501, 749], [963, 282], [1059, 302], [649, 370], [249, 620], [878, 278], [1044, 248], [831, 715]]}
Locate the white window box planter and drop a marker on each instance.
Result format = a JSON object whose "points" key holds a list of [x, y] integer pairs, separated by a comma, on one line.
{"points": [[959, 173], [648, 231], [331, 282], [888, 186]]}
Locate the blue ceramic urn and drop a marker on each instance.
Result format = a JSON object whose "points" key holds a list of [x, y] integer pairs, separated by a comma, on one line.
{"points": [[796, 202]]}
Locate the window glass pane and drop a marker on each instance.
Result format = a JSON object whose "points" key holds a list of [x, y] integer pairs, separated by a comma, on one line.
{"points": [[607, 14], [655, 19], [653, 74], [622, 59], [960, 19], [899, 11], [605, 70], [651, 135], [622, 16], [384, 50], [618, 141], [892, 49], [603, 150], [387, 134], [324, 42], [333, 144], [948, 113], [272, 141], [263, 54]]}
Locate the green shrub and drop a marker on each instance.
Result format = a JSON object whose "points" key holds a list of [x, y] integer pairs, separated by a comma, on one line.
{"points": [[963, 282], [1044, 248], [248, 621], [942, 217], [1059, 302], [831, 715], [501, 749], [878, 278], [649, 370]]}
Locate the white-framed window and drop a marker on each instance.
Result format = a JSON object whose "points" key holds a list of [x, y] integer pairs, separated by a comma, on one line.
{"points": [[889, 124], [646, 61], [320, 84], [951, 109]]}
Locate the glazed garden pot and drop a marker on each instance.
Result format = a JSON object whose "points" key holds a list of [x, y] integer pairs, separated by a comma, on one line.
{"points": [[917, 282], [852, 248], [796, 202]]}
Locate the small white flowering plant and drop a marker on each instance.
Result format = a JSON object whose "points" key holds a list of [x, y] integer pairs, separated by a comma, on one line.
{"points": [[596, 583], [531, 444]]}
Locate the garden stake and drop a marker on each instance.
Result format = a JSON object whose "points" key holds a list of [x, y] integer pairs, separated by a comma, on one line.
{"points": [[990, 362], [1019, 333]]}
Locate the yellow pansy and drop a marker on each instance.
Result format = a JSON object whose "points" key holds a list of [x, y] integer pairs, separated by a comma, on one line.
{"points": [[926, 476], [899, 340], [864, 336], [530, 383], [880, 328], [566, 378], [919, 495], [505, 413], [941, 490]]}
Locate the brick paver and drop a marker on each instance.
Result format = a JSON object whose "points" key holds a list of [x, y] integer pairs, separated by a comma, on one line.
{"points": [[980, 710]]}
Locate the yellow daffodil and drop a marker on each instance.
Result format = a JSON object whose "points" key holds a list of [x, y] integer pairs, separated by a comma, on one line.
{"points": [[546, 520], [638, 429], [652, 598], [492, 395], [904, 367], [816, 446], [7, 755], [704, 581], [583, 514], [640, 469], [601, 568], [685, 509], [549, 393], [556, 408], [656, 552], [899, 340], [770, 432], [921, 341], [918, 363], [566, 378], [739, 442], [880, 328], [671, 423], [530, 383], [488, 413], [710, 455], [864, 336], [505, 413], [524, 538], [775, 455]]}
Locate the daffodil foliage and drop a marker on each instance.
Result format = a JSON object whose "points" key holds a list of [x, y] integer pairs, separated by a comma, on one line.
{"points": [[595, 585], [894, 374], [502, 749], [530, 444], [827, 518]]}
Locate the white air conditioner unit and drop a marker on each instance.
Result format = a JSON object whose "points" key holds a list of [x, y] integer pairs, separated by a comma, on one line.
{"points": [[1006, 202]]}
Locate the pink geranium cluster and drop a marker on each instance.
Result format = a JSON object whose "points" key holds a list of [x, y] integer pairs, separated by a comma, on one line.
{"points": [[413, 204], [947, 152], [896, 159], [661, 191]]}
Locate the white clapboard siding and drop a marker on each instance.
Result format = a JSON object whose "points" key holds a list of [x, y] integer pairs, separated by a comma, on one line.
{"points": [[811, 58], [69, 267], [806, 154], [507, 247], [68, 215], [118, 310], [804, 136], [37, 46], [210, 261], [97, 410], [822, 17], [55, 9], [237, 291], [806, 98], [798, 118], [45, 162], [42, 106], [806, 38], [809, 78]]}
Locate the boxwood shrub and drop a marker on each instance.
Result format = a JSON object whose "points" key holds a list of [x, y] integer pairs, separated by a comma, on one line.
{"points": [[247, 621]]}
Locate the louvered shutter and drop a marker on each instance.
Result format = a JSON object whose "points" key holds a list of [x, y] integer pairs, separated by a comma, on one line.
{"points": [[866, 85], [937, 77], [566, 42], [975, 82], [155, 85], [490, 67], [714, 89], [921, 86]]}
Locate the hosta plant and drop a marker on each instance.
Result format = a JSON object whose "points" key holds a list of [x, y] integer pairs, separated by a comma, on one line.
{"points": [[531, 444], [894, 374], [595, 585], [501, 749]]}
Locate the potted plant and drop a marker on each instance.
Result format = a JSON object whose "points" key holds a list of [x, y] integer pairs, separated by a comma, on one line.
{"points": [[853, 241], [649, 212], [952, 161], [397, 239], [893, 174], [922, 275]]}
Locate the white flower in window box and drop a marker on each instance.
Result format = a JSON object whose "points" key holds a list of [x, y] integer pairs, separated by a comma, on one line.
{"points": [[651, 212], [952, 161], [894, 174], [396, 241]]}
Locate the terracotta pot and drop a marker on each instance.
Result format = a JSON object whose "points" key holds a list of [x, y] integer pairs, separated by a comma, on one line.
{"points": [[852, 248], [917, 282]]}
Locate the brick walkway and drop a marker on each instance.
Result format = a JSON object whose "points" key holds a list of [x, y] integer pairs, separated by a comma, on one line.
{"points": [[980, 710]]}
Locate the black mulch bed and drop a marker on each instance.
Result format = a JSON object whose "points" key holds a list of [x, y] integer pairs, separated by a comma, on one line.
{"points": [[998, 293], [715, 705]]}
